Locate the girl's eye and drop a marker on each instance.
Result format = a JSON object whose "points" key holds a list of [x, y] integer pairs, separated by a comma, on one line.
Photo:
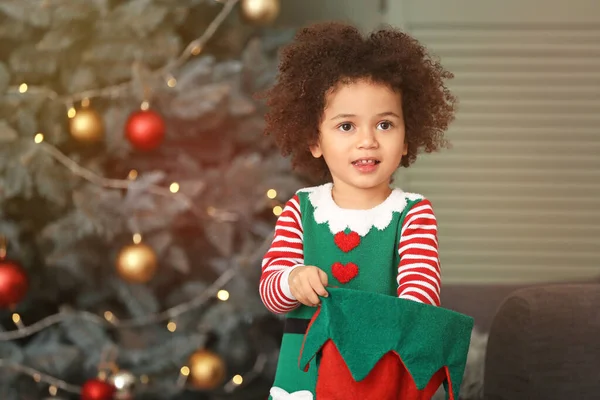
{"points": [[346, 127], [385, 125]]}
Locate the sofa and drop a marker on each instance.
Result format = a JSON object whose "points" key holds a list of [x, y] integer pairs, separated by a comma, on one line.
{"points": [[544, 344], [542, 341]]}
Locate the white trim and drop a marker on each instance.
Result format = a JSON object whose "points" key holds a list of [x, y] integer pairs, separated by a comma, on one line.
{"points": [[359, 221], [278, 393]]}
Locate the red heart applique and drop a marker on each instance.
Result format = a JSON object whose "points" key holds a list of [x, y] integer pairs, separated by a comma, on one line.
{"points": [[346, 241], [344, 273]]}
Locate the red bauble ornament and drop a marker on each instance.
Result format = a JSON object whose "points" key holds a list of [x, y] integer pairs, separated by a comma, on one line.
{"points": [[145, 130], [13, 283], [95, 389]]}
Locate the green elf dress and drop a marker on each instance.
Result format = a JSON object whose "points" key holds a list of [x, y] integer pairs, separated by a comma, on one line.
{"points": [[363, 342]]}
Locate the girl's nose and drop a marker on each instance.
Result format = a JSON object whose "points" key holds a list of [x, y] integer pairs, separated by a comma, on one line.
{"points": [[367, 139]]}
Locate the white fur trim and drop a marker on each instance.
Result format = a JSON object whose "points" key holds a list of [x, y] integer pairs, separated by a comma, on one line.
{"points": [[359, 221], [280, 394]]}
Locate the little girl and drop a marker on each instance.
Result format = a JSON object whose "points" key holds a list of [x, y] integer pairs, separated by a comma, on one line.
{"points": [[352, 110]]}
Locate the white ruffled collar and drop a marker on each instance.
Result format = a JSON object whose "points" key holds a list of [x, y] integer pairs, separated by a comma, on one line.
{"points": [[359, 221]]}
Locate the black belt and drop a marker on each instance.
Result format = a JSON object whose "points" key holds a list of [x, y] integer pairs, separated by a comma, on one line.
{"points": [[296, 325]]}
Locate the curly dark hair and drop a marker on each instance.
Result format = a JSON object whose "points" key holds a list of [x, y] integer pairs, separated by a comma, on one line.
{"points": [[324, 54]]}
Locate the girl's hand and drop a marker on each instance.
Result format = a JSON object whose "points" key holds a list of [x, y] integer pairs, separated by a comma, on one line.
{"points": [[307, 283]]}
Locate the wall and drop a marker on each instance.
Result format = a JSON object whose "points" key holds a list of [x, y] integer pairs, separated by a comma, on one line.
{"points": [[365, 14]]}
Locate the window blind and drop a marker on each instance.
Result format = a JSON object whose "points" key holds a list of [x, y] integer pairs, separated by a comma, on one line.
{"points": [[518, 196]]}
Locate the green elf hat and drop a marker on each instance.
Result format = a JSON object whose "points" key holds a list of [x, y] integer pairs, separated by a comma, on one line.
{"points": [[375, 346]]}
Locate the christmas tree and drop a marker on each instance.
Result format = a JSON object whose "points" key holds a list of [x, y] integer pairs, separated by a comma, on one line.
{"points": [[137, 197]]}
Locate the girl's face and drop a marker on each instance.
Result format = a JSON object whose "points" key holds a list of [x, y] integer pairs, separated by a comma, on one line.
{"points": [[361, 135]]}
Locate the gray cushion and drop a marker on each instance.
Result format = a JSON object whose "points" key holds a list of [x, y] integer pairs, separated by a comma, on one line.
{"points": [[544, 344]]}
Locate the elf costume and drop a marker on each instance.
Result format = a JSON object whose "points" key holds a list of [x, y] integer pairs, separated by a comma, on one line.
{"points": [[362, 251], [374, 346]]}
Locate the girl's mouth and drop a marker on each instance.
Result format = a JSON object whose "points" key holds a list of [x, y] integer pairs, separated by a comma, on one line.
{"points": [[365, 161], [366, 165]]}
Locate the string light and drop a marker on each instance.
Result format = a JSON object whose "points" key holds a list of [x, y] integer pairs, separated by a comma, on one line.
{"points": [[71, 112], [120, 382], [196, 49], [277, 210], [17, 320], [171, 326], [85, 102], [23, 88], [2, 246], [223, 295], [52, 390], [109, 316], [271, 193], [137, 238], [183, 376], [174, 188], [145, 105], [224, 216], [171, 82], [238, 380], [133, 174], [38, 138]]}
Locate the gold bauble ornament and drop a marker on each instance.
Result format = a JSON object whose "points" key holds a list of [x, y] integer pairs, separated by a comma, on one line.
{"points": [[137, 263], [259, 12], [86, 125], [207, 370]]}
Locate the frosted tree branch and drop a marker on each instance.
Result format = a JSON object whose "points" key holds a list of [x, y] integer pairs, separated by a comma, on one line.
{"points": [[96, 179], [149, 319], [257, 368], [106, 182], [39, 376], [172, 312], [193, 48], [134, 322], [114, 91], [199, 43]]}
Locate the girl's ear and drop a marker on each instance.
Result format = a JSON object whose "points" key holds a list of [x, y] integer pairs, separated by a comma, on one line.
{"points": [[405, 150], [315, 150]]}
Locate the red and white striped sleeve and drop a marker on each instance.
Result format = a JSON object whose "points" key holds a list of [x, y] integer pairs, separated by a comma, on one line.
{"points": [[419, 276], [285, 253]]}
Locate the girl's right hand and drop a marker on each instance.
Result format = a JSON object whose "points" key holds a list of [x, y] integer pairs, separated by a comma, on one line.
{"points": [[307, 283]]}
